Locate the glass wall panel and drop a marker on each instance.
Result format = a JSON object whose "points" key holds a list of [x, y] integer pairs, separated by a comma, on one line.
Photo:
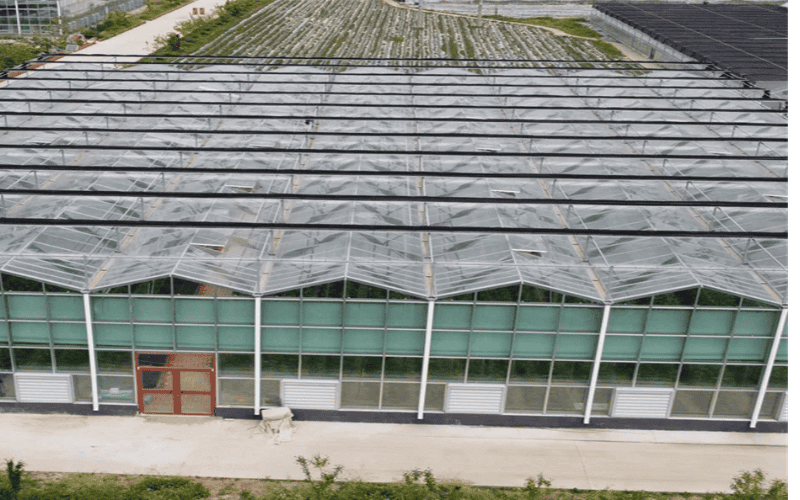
{"points": [[196, 337], [82, 384], [756, 323], [322, 313], [452, 316], [69, 333], [111, 309], [236, 312], [237, 365], [280, 339], [534, 345], [32, 359], [748, 349], [194, 311], [405, 342], [691, 403], [153, 336], [571, 372], [280, 312], [271, 392], [115, 389], [66, 307], [580, 319], [364, 314], [525, 399], [449, 343], [567, 400], [626, 320], [72, 360], [279, 365], [30, 333], [699, 375], [362, 367], [622, 347], [741, 376], [616, 374], [770, 408], [493, 317], [27, 306], [656, 375], [157, 360], [783, 351], [360, 395], [403, 368], [399, 396], [575, 346], [434, 397], [779, 378], [236, 338], [7, 386], [538, 318], [658, 348], [487, 370], [451, 370], [5, 359], [152, 310], [236, 392], [363, 341], [668, 321], [491, 344], [530, 371], [114, 362], [407, 315], [711, 322], [113, 335], [601, 405], [4, 336], [322, 340], [320, 366], [735, 404], [705, 349]]}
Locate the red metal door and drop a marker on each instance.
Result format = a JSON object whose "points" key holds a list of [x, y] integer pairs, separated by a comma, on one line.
{"points": [[176, 384]]}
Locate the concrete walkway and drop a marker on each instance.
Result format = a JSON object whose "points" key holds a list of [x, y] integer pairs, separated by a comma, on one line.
{"points": [[492, 456]]}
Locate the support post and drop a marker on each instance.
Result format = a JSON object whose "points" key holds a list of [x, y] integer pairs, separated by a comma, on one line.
{"points": [[762, 390], [19, 24], [426, 356], [257, 350], [596, 368], [87, 314]]}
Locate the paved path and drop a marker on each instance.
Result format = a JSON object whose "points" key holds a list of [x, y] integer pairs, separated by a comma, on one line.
{"points": [[492, 456]]}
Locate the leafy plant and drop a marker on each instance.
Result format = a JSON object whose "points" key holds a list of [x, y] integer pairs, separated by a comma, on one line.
{"points": [[535, 487], [14, 473], [750, 486], [322, 488]]}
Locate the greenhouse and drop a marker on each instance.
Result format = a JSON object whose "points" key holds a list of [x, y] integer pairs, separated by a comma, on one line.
{"points": [[526, 243]]}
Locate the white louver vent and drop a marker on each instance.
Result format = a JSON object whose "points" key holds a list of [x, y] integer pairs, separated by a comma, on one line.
{"points": [[310, 394], [474, 398], [784, 415], [43, 388], [642, 403]]}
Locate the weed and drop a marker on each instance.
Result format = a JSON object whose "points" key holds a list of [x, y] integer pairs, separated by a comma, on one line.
{"points": [[571, 26]]}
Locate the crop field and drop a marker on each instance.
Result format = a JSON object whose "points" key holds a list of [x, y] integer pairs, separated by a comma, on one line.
{"points": [[374, 28]]}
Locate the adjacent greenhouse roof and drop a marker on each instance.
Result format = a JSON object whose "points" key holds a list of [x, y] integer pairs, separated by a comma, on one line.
{"points": [[604, 183]]}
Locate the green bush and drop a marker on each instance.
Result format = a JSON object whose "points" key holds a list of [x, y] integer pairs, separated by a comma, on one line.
{"points": [[167, 488], [13, 54]]}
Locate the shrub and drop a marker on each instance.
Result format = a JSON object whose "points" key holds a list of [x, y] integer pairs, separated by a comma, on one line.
{"points": [[167, 488], [749, 486]]}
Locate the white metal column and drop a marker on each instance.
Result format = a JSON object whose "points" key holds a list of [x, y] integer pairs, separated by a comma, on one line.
{"points": [[426, 356], [19, 24], [776, 342], [596, 368], [257, 350], [87, 314]]}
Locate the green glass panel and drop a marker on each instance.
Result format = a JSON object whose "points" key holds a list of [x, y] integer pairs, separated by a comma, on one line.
{"points": [[735, 404], [487, 370], [196, 337], [280, 312], [400, 396], [741, 376], [691, 403], [280, 339], [322, 313], [30, 333], [194, 311], [236, 312], [112, 335], [449, 343], [236, 364], [491, 344], [364, 314], [110, 309], [33, 359], [114, 362], [626, 320], [4, 336], [5, 359], [525, 399], [362, 367], [667, 321], [360, 395], [575, 346], [116, 389], [27, 307], [405, 342], [756, 323], [744, 349], [580, 319], [566, 400], [235, 392], [779, 378], [530, 371], [533, 345], [66, 307], [72, 360], [540, 319], [403, 368], [452, 316], [69, 333], [363, 341], [153, 336], [571, 372], [699, 375], [319, 366], [3, 309], [493, 317], [236, 338], [407, 315], [279, 365], [616, 374], [705, 349], [622, 347], [711, 322], [656, 375], [434, 397], [783, 351], [322, 340], [447, 369], [662, 348], [152, 310]]}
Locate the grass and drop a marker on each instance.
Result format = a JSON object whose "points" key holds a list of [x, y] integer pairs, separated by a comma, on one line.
{"points": [[571, 26], [608, 49], [120, 22], [12, 54]]}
